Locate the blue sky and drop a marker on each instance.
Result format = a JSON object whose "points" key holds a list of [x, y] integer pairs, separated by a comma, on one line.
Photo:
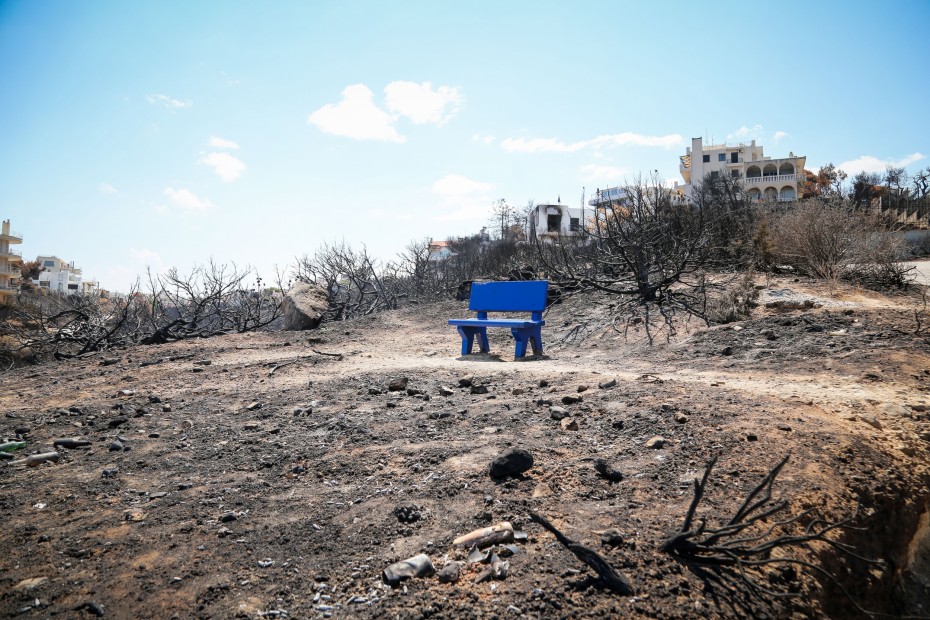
{"points": [[161, 134]]}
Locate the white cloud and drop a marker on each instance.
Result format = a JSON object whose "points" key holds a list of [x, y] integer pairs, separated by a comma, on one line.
{"points": [[168, 102], [456, 185], [868, 163], [462, 198], [488, 139], [611, 175], [779, 136], [145, 256], [553, 145], [222, 143], [754, 132], [186, 199], [106, 188], [356, 116], [226, 166], [421, 104]]}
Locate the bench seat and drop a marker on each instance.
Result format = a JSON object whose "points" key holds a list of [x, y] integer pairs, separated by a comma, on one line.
{"points": [[524, 296]]}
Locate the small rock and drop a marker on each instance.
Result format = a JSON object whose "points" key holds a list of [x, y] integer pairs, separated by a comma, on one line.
{"points": [[224, 532], [479, 389], [666, 407], [511, 462], [466, 381], [408, 514], [154, 399], [906, 449], [109, 361], [569, 424], [265, 563], [518, 391], [543, 383], [612, 538], [784, 427], [752, 437], [251, 426], [656, 443], [450, 573], [608, 471], [166, 408], [197, 369], [558, 413], [894, 409], [727, 351], [374, 391], [70, 444], [115, 422], [681, 418], [398, 385], [582, 388], [253, 406], [110, 472], [444, 391], [413, 391], [29, 584], [154, 435], [117, 446], [185, 486], [571, 399], [228, 517], [871, 420], [417, 566], [203, 363], [605, 385]]}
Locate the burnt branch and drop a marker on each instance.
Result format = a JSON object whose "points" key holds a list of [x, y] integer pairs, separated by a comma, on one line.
{"points": [[609, 576]]}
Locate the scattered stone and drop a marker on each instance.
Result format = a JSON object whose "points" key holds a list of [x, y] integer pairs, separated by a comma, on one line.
{"points": [[374, 391], [29, 584], [154, 435], [166, 408], [656, 443], [109, 361], [116, 446], [918, 407], [612, 538], [925, 435], [518, 391], [197, 369], [450, 573], [479, 389], [224, 532], [444, 391], [558, 413], [607, 470], [398, 385], [466, 381], [117, 422], [894, 409], [497, 570], [91, 607], [408, 514], [253, 406], [126, 393], [265, 563], [606, 385], [203, 362], [582, 388], [414, 392], [135, 515], [22, 430], [784, 427], [569, 424], [571, 399], [185, 486], [681, 418], [752, 437], [251, 426], [871, 420], [543, 383], [228, 517], [727, 351], [417, 566], [666, 407], [304, 306], [906, 449], [158, 495], [110, 472], [511, 462], [617, 424]]}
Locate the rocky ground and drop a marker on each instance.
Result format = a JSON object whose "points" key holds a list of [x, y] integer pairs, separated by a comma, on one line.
{"points": [[277, 475]]}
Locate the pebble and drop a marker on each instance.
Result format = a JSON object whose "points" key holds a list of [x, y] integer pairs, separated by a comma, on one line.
{"points": [[511, 462], [604, 385], [681, 418], [752, 437], [115, 422], [398, 385], [608, 471], [253, 406], [871, 420], [479, 389], [558, 413], [569, 424], [612, 538], [466, 381], [518, 391], [116, 446], [450, 573], [444, 391], [570, 399], [656, 442], [110, 472], [154, 399]]}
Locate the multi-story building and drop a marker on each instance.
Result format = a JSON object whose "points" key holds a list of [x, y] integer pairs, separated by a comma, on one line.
{"points": [[551, 221], [764, 178], [11, 261], [59, 276]]}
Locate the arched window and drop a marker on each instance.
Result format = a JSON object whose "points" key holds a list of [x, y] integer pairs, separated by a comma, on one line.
{"points": [[787, 193], [753, 172], [770, 170], [755, 194], [771, 194], [786, 168]]}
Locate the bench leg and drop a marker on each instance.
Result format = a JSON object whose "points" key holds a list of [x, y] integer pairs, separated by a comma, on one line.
{"points": [[536, 341], [531, 336], [468, 339]]}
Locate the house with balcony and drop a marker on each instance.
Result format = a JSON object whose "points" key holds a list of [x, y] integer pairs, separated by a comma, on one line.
{"points": [[11, 261], [59, 276], [764, 178]]}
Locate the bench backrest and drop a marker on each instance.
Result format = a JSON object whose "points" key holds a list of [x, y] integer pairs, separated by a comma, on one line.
{"points": [[521, 296]]}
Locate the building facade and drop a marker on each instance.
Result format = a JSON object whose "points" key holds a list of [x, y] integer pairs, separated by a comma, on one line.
{"points": [[551, 221], [764, 178], [11, 261], [59, 276]]}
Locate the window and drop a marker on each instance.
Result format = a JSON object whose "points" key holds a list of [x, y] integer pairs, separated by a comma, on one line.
{"points": [[734, 174], [722, 157], [575, 224], [706, 159], [734, 157], [713, 174], [72, 287], [48, 263]]}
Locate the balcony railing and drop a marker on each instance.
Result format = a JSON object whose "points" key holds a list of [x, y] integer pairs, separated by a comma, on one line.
{"points": [[11, 252], [773, 178], [14, 234]]}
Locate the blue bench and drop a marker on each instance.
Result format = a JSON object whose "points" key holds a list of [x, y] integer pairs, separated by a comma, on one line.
{"points": [[525, 296]]}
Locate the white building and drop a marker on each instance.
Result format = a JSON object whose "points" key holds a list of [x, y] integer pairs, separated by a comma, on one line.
{"points": [[61, 276], [550, 221], [764, 178], [11, 261]]}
